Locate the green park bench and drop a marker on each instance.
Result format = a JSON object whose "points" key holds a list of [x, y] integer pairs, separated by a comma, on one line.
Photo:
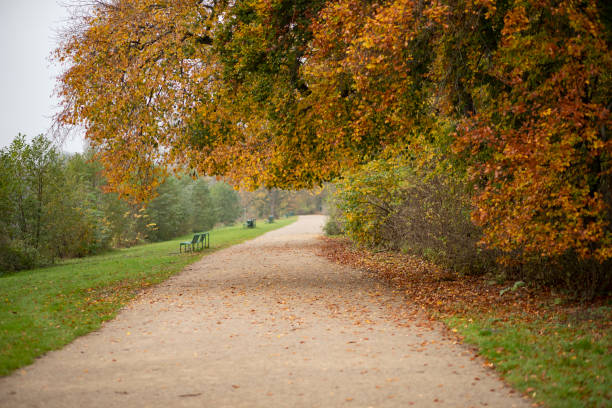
{"points": [[199, 241], [250, 223], [270, 219], [189, 245], [205, 240]]}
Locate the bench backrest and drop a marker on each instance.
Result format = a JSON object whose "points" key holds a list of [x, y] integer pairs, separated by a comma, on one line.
{"points": [[203, 236], [195, 238]]}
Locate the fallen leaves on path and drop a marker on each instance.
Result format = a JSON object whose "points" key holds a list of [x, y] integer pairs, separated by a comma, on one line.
{"points": [[439, 292]]}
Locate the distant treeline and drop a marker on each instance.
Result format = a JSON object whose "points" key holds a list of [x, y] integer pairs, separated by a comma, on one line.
{"points": [[54, 205]]}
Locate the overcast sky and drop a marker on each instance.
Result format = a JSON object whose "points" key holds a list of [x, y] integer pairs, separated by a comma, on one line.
{"points": [[27, 77]]}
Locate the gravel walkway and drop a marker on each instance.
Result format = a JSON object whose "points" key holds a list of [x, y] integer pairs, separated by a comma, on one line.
{"points": [[263, 324]]}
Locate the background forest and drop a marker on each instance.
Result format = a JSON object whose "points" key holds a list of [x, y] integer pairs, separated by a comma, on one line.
{"points": [[55, 206]]}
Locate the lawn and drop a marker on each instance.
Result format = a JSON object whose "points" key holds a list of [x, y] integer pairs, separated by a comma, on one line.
{"points": [[560, 359], [46, 308]]}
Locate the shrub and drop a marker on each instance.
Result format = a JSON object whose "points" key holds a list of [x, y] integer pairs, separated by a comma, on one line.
{"points": [[332, 227], [581, 278], [333, 223], [15, 256], [387, 204]]}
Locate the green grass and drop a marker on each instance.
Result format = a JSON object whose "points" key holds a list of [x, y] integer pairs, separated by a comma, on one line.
{"points": [[563, 362], [44, 309]]}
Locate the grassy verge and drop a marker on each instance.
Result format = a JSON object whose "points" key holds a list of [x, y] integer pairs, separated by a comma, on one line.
{"points": [[44, 309], [553, 349], [558, 361]]}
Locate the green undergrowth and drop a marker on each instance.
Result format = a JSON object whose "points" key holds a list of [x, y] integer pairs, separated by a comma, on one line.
{"points": [[559, 361], [44, 309]]}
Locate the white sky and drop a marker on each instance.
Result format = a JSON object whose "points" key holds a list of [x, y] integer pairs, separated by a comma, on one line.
{"points": [[27, 77]]}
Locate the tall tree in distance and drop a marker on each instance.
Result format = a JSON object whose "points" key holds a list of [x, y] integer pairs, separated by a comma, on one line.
{"points": [[203, 211], [33, 177], [226, 203]]}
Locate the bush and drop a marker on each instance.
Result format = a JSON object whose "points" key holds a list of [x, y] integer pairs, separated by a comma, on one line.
{"points": [[332, 226], [583, 279], [333, 223], [14, 256], [387, 204]]}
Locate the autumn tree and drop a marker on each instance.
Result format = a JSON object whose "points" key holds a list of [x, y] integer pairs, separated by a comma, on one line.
{"points": [[209, 87], [525, 84], [543, 167], [511, 98]]}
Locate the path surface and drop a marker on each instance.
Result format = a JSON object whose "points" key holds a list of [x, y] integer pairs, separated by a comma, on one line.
{"points": [[263, 324]]}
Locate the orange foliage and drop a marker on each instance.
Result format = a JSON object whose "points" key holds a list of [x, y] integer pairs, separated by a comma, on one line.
{"points": [[526, 83], [543, 167], [290, 94]]}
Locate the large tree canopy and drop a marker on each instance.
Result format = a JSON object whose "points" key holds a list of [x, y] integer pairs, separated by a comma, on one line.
{"points": [[211, 86], [290, 93]]}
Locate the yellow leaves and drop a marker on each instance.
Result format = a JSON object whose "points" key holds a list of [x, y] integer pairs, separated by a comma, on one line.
{"points": [[489, 6], [367, 42], [515, 21]]}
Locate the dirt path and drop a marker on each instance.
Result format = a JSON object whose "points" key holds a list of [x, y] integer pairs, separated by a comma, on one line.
{"points": [[263, 324]]}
